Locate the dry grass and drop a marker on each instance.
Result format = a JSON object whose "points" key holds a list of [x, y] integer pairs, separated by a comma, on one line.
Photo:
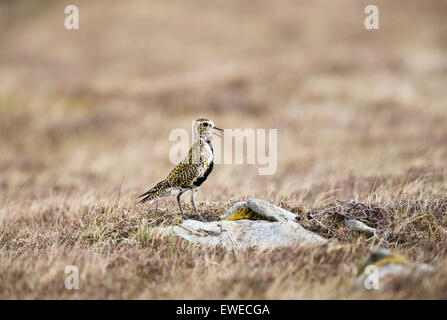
{"points": [[85, 117]]}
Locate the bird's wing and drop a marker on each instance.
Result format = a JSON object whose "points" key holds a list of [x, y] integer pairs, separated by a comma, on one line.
{"points": [[185, 172], [183, 175], [191, 168]]}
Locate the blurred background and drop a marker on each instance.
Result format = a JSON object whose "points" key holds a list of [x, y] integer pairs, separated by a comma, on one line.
{"points": [[91, 109]]}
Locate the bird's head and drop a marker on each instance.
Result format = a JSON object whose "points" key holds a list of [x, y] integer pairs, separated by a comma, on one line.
{"points": [[204, 128]]}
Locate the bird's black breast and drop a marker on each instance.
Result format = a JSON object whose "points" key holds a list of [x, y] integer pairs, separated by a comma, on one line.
{"points": [[201, 179]]}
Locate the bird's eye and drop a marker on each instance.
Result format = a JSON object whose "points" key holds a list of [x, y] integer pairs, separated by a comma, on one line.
{"points": [[206, 124]]}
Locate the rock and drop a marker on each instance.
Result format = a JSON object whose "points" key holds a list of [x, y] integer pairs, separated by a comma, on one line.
{"points": [[252, 223], [265, 209]]}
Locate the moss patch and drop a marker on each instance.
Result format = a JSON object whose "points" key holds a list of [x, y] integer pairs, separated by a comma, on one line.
{"points": [[393, 258], [244, 213]]}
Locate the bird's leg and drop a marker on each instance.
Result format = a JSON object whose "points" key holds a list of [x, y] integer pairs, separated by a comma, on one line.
{"points": [[194, 206], [180, 206]]}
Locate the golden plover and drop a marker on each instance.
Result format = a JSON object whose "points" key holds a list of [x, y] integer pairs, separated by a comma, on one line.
{"points": [[189, 173]]}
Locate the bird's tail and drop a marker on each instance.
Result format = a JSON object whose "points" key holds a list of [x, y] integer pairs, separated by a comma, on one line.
{"points": [[160, 190]]}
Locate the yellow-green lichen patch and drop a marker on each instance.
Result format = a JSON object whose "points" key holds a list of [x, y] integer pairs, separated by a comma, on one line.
{"points": [[244, 213], [393, 258]]}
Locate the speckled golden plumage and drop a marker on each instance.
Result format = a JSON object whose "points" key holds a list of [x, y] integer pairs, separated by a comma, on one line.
{"points": [[189, 173], [192, 167]]}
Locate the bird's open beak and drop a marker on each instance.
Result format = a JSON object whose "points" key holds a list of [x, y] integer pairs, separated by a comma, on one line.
{"points": [[215, 133]]}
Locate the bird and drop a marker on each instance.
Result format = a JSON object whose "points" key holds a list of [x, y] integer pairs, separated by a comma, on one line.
{"points": [[191, 171]]}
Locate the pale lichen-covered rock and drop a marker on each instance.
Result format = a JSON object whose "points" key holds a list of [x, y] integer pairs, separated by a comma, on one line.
{"points": [[383, 265], [252, 223]]}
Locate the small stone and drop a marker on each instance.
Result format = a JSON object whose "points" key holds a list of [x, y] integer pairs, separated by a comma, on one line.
{"points": [[357, 225]]}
